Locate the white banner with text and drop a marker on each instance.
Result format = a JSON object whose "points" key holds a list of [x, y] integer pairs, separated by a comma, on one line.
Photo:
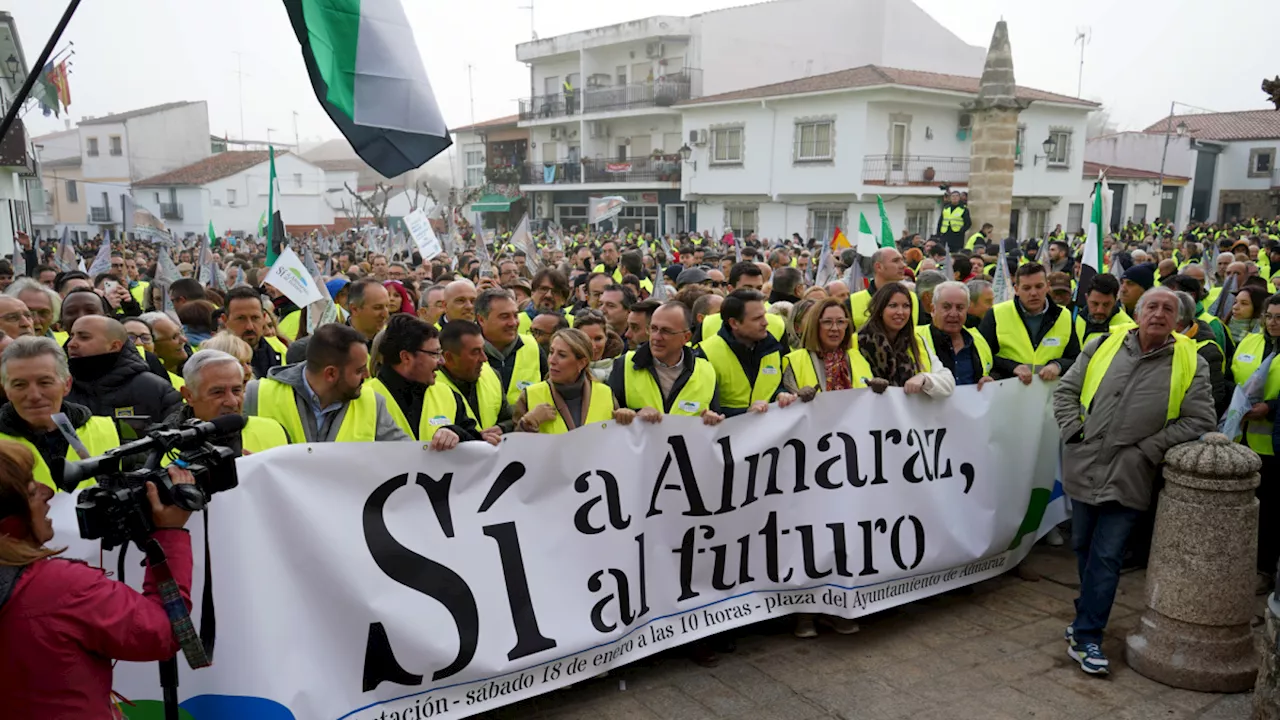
{"points": [[391, 581]]}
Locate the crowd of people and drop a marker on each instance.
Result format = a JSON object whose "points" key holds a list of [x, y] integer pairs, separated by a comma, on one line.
{"points": [[621, 325]]}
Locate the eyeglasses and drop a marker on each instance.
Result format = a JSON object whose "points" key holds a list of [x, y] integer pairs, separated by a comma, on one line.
{"points": [[144, 338], [1271, 317], [834, 323], [718, 283], [437, 354], [666, 332], [15, 317]]}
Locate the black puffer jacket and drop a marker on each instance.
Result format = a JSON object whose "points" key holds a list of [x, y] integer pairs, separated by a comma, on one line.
{"points": [[119, 383]]}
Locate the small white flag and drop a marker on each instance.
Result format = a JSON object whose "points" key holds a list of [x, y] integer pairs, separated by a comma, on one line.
{"points": [[290, 276], [419, 226]]}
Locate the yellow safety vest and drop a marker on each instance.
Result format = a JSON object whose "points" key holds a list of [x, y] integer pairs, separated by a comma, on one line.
{"points": [[276, 401], [642, 389], [98, 435], [806, 375], [1120, 320], [736, 391], [952, 219], [1212, 297], [262, 433], [175, 380], [290, 325], [488, 395], [1015, 343], [276, 345], [528, 369], [925, 333], [1184, 371], [712, 323], [973, 240], [600, 410], [860, 307], [1249, 355], [139, 293], [439, 408], [617, 272]]}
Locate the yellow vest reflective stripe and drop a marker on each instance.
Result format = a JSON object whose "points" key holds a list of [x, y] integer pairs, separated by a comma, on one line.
{"points": [[98, 435], [806, 375], [860, 307], [600, 410], [712, 323], [488, 395], [1183, 372], [952, 219], [276, 345], [276, 401], [973, 240], [642, 389], [736, 391], [1249, 355], [925, 333], [528, 369], [439, 408], [1015, 343], [262, 433]]}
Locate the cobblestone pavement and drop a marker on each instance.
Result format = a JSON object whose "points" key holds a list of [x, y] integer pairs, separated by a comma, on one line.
{"points": [[995, 654]]}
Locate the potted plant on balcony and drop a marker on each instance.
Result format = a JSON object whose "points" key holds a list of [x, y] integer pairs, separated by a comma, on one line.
{"points": [[502, 175], [929, 174]]}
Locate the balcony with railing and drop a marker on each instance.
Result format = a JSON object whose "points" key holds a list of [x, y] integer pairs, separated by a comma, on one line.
{"points": [[664, 91], [99, 214], [914, 170], [171, 211], [648, 169]]}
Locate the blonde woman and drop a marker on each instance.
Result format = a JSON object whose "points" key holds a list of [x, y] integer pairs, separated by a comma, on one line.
{"points": [[570, 397], [231, 344]]}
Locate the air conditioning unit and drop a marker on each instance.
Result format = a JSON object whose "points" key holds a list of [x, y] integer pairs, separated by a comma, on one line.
{"points": [[544, 205], [599, 80], [654, 50], [966, 121], [702, 138], [557, 133], [693, 137]]}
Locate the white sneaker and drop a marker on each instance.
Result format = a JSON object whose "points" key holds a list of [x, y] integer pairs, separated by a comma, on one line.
{"points": [[1054, 538], [805, 627]]}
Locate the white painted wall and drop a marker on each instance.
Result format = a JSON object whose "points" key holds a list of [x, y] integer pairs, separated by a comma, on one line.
{"points": [[59, 145], [194, 202], [1233, 167], [163, 141], [105, 165], [302, 201], [1037, 179], [1143, 151]]}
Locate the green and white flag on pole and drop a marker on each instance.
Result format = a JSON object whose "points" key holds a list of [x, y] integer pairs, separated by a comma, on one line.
{"points": [[866, 245], [886, 230], [1091, 263], [368, 74]]}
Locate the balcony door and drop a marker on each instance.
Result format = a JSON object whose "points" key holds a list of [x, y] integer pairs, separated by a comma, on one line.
{"points": [[898, 153]]}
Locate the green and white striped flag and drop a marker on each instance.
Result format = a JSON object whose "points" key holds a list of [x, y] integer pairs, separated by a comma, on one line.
{"points": [[367, 73], [1091, 263]]}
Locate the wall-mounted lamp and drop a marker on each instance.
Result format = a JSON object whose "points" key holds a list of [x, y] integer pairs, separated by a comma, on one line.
{"points": [[685, 153], [1049, 146]]}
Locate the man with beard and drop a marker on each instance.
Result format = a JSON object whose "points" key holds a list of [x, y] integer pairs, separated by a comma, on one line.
{"points": [[321, 400], [245, 318]]}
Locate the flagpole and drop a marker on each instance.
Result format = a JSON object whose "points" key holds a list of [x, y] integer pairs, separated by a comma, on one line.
{"points": [[25, 90]]}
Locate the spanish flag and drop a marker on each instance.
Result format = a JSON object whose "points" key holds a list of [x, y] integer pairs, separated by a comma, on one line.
{"points": [[840, 242]]}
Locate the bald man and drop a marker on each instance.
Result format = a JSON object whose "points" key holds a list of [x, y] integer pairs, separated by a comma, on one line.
{"points": [[459, 301], [109, 376], [839, 290], [887, 267]]}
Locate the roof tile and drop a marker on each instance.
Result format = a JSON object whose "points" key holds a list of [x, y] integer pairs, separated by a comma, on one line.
{"points": [[872, 75], [214, 167], [1240, 125]]}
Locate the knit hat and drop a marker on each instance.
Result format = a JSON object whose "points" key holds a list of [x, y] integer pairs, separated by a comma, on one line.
{"points": [[1143, 275]]}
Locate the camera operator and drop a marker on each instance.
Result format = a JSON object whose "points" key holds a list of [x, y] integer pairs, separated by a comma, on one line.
{"points": [[215, 387], [63, 623], [36, 381]]}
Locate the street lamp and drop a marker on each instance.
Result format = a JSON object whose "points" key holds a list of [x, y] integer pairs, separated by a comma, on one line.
{"points": [[685, 153], [1049, 146]]}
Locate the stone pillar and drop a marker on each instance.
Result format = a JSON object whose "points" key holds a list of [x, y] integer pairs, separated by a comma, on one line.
{"points": [[1195, 631], [995, 138]]}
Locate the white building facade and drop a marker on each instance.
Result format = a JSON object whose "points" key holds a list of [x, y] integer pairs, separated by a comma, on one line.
{"points": [[604, 115], [21, 195], [230, 189], [809, 155]]}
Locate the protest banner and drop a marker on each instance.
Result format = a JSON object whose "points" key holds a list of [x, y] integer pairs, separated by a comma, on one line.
{"points": [[420, 230], [397, 582], [290, 276]]}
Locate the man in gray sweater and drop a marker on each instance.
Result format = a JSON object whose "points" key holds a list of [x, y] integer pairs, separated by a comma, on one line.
{"points": [[1128, 398]]}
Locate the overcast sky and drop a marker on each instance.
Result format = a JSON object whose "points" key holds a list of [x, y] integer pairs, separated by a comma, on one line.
{"points": [[134, 53]]}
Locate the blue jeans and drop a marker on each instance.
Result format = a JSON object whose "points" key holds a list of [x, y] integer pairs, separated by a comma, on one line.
{"points": [[1098, 535]]}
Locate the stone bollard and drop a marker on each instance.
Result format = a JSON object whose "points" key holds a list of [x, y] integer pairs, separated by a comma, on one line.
{"points": [[1195, 631]]}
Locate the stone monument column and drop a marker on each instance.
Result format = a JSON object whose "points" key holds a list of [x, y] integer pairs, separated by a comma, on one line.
{"points": [[995, 138], [1195, 632]]}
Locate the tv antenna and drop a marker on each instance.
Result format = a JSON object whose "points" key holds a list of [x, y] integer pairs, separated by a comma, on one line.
{"points": [[532, 31], [1083, 36]]}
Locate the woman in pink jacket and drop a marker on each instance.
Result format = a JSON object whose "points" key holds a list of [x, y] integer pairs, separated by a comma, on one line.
{"points": [[62, 623]]}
